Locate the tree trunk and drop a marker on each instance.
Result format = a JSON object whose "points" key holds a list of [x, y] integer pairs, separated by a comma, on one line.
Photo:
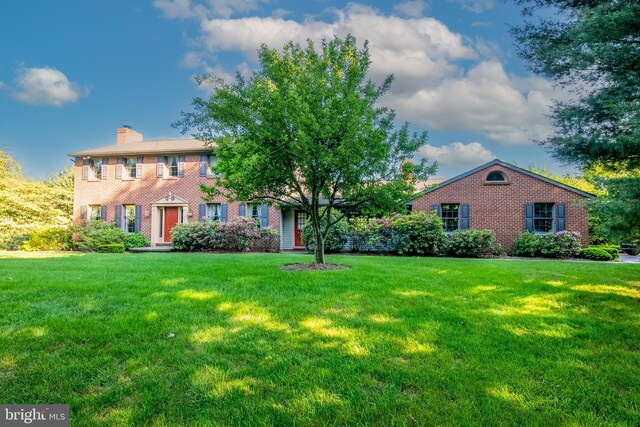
{"points": [[319, 239]]}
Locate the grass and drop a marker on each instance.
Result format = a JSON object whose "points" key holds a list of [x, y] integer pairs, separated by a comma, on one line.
{"points": [[195, 339]]}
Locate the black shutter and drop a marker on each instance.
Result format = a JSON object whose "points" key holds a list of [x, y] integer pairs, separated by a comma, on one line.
{"points": [[264, 216], [528, 216], [160, 167], [202, 212], [203, 165], [139, 162], [103, 213], [437, 209], [561, 217], [181, 166], [464, 217], [224, 212], [119, 216], [118, 168], [138, 223]]}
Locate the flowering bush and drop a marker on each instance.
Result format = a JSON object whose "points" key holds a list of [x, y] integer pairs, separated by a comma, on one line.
{"points": [[472, 243], [238, 235], [562, 244], [418, 233]]}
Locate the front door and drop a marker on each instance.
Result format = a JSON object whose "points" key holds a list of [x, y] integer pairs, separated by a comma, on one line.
{"points": [[170, 220], [300, 220]]}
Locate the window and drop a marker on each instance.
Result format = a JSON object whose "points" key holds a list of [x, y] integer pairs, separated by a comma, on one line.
{"points": [[496, 176], [130, 164], [214, 211], [95, 212], [450, 216], [97, 168], [212, 162], [542, 217], [130, 218], [253, 210], [172, 165]]}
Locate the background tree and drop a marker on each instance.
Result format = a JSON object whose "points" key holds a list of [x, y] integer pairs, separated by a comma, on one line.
{"points": [[306, 131], [592, 48]]}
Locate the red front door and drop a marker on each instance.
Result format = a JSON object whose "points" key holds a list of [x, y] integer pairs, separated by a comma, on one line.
{"points": [[170, 219], [299, 221]]}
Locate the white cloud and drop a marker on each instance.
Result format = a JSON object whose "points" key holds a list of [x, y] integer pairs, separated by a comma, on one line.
{"points": [[458, 154], [476, 6], [442, 81], [182, 9], [46, 86], [412, 8]]}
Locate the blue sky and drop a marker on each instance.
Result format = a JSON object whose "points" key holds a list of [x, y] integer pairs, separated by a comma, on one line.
{"points": [[71, 72]]}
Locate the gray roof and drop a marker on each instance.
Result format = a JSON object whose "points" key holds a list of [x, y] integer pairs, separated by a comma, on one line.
{"points": [[512, 167], [168, 146]]}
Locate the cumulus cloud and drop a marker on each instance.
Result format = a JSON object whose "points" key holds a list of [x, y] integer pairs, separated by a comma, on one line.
{"points": [[412, 8], [458, 154], [46, 86], [443, 80], [476, 6], [182, 9]]}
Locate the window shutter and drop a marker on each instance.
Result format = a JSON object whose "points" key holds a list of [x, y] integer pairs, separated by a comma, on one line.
{"points": [[464, 217], [241, 208], [119, 168], [85, 169], [203, 165], [139, 162], [224, 212], [103, 168], [83, 213], [528, 216], [119, 216], [264, 216], [437, 209], [202, 212], [561, 217], [181, 166], [160, 167], [103, 213], [138, 222]]}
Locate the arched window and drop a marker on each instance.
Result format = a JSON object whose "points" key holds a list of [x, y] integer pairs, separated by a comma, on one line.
{"points": [[496, 176]]}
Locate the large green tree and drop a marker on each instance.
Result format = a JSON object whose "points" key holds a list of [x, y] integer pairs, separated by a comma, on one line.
{"points": [[306, 130], [591, 47]]}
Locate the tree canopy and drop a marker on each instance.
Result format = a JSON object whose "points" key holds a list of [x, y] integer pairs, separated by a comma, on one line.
{"points": [[591, 47], [306, 130]]}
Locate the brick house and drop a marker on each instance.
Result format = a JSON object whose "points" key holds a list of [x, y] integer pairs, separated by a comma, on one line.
{"points": [[149, 186], [507, 200]]}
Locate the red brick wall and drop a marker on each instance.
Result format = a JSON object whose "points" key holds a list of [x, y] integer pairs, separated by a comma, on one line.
{"points": [[148, 190], [501, 207]]}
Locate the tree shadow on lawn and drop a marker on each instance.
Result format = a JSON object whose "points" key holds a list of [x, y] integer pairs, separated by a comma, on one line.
{"points": [[320, 349]]}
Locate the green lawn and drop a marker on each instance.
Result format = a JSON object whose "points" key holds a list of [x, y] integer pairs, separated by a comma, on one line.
{"points": [[404, 341]]}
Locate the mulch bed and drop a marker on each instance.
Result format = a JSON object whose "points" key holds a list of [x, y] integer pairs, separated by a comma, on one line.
{"points": [[313, 266]]}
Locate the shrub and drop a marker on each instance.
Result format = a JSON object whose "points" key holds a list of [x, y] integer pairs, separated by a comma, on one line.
{"points": [[238, 235], [90, 235], [472, 243], [113, 248], [364, 234], [335, 240], [563, 244], [613, 250], [418, 233], [14, 243], [49, 239], [595, 254], [136, 240], [527, 244], [197, 236]]}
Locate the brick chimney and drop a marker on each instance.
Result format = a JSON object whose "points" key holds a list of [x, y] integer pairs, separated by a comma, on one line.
{"points": [[125, 134]]}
